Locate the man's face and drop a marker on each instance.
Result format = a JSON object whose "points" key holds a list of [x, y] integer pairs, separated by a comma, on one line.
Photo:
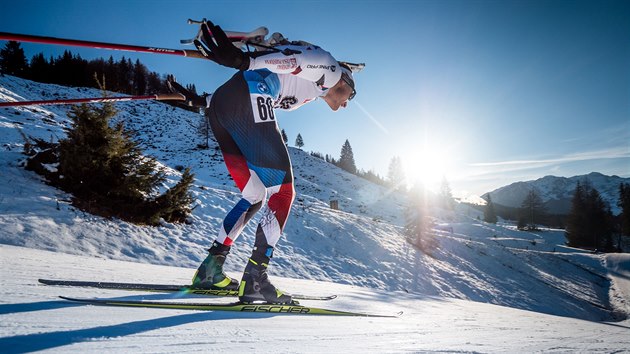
{"points": [[338, 95]]}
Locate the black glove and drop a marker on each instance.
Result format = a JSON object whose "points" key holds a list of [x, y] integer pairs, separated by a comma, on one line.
{"points": [[222, 52], [192, 99]]}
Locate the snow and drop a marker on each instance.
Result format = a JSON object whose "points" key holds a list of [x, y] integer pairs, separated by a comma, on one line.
{"points": [[32, 318], [485, 288]]}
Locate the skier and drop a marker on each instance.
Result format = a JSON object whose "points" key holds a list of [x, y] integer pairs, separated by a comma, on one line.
{"points": [[241, 115]]}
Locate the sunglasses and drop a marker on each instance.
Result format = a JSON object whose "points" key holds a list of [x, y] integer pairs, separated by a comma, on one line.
{"points": [[346, 79]]}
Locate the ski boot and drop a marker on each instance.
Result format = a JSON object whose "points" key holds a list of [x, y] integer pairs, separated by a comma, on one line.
{"points": [[255, 285], [210, 274]]}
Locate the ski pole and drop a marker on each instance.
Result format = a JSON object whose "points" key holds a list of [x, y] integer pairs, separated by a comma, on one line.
{"points": [[5, 36], [158, 97]]}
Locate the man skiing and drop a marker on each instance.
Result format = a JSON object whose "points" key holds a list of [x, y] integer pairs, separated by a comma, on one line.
{"points": [[241, 115]]}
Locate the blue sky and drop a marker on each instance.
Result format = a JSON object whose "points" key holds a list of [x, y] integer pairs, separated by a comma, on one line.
{"points": [[483, 92]]}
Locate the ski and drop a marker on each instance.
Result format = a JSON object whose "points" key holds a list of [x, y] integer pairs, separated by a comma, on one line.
{"points": [[290, 309], [166, 288]]}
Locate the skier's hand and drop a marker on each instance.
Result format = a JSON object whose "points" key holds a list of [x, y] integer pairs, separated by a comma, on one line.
{"points": [[220, 49], [192, 99]]}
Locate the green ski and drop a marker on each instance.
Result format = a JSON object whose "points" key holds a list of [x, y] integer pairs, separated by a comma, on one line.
{"points": [[290, 309]]}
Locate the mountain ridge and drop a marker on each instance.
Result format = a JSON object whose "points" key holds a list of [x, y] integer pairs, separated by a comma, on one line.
{"points": [[556, 192]]}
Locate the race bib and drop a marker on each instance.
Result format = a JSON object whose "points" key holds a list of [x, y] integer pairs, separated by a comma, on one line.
{"points": [[262, 106]]}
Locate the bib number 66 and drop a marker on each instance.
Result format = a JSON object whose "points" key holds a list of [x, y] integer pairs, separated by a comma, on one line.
{"points": [[263, 108]]}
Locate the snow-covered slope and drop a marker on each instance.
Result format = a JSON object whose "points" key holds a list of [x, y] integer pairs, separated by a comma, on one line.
{"points": [[359, 245], [557, 192], [33, 318]]}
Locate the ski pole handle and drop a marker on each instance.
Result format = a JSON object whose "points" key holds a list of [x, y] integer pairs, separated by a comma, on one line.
{"points": [[196, 22]]}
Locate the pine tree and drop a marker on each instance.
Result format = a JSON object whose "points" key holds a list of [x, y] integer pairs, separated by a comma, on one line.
{"points": [[63, 69], [489, 215], [139, 78], [80, 74], [624, 204], [13, 60], [40, 68], [601, 221], [154, 83], [576, 221], [589, 223], [285, 138], [205, 131], [125, 76], [396, 174], [346, 160], [111, 74], [174, 205], [533, 209], [105, 169], [446, 200], [418, 224], [299, 142], [98, 160]]}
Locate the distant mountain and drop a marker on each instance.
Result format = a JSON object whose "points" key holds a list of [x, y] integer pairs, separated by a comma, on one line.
{"points": [[557, 192]]}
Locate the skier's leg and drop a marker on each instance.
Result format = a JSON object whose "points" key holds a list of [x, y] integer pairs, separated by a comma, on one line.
{"points": [[268, 159], [242, 118], [253, 190], [255, 284], [243, 121], [210, 273]]}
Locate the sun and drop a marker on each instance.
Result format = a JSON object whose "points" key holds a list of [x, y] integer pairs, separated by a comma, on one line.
{"points": [[426, 166]]}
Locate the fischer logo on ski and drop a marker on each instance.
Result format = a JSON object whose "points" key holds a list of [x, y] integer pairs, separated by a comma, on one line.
{"points": [[276, 309]]}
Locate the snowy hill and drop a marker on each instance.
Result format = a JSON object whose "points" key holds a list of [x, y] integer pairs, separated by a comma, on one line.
{"points": [[556, 192], [360, 245]]}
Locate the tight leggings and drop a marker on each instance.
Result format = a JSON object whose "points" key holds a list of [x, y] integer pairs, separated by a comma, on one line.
{"points": [[243, 122]]}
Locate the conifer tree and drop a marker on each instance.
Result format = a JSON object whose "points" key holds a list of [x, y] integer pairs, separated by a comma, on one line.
{"points": [[624, 204], [125, 76], [285, 138], [533, 209], [600, 220], [99, 160], [589, 223], [396, 174], [299, 142], [13, 60], [174, 204], [105, 169], [418, 224], [39, 69], [139, 78], [576, 221], [63, 69], [489, 215], [154, 83], [346, 160], [446, 200]]}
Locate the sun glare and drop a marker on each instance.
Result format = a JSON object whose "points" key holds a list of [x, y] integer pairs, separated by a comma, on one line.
{"points": [[427, 167]]}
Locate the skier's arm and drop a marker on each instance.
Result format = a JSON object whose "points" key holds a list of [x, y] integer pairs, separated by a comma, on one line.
{"points": [[310, 63], [191, 99]]}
